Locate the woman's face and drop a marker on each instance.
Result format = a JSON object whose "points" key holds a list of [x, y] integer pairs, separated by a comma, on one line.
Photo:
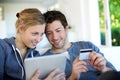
{"points": [[32, 35]]}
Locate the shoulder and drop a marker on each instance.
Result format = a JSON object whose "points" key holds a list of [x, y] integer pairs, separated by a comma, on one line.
{"points": [[83, 43], [86, 45], [48, 52], [6, 47], [2, 43], [6, 43], [3, 49]]}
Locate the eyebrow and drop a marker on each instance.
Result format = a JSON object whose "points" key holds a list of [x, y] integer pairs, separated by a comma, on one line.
{"points": [[58, 28], [55, 29]]}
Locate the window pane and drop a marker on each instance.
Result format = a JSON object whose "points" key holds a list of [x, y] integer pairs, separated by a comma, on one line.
{"points": [[1, 13], [115, 21], [114, 9], [102, 23]]}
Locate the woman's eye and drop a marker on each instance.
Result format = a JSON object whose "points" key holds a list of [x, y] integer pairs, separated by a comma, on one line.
{"points": [[48, 33], [34, 33], [42, 34]]}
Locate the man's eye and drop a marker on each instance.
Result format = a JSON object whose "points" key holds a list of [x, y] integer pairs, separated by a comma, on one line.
{"points": [[58, 30], [48, 33]]}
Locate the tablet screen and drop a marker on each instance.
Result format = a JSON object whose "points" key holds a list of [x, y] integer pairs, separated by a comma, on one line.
{"points": [[45, 64]]}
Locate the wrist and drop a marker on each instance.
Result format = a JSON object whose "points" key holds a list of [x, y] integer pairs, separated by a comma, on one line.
{"points": [[74, 77], [106, 69]]}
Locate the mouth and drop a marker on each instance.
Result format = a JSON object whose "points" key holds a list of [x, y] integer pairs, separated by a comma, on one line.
{"points": [[56, 42], [34, 43]]}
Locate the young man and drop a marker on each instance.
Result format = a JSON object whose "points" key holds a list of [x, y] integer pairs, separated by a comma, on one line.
{"points": [[76, 69]]}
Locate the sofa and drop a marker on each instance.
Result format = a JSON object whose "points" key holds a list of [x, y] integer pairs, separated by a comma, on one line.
{"points": [[112, 55]]}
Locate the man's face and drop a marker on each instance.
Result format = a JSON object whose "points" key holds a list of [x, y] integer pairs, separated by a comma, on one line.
{"points": [[56, 34]]}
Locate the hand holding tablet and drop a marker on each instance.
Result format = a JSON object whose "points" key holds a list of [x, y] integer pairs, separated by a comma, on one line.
{"points": [[45, 64]]}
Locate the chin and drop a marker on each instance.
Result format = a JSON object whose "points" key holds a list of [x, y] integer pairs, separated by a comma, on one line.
{"points": [[32, 46], [58, 47]]}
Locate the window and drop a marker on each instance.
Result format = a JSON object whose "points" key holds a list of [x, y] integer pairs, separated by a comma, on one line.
{"points": [[1, 13], [109, 22]]}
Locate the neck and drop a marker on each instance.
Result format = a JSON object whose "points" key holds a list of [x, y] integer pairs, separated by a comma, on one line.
{"points": [[21, 47]]}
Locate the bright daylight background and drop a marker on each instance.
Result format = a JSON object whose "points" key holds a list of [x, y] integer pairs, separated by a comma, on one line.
{"points": [[82, 16]]}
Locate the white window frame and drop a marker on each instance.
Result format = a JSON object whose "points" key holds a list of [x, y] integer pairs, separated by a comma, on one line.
{"points": [[107, 21], [1, 13]]}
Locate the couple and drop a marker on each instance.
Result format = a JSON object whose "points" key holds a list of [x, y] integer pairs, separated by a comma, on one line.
{"points": [[30, 27]]}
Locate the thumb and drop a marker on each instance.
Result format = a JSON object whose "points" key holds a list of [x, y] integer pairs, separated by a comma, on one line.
{"points": [[36, 75], [76, 59]]}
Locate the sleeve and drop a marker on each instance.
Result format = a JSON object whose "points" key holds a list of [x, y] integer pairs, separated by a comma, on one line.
{"points": [[95, 48], [2, 61]]}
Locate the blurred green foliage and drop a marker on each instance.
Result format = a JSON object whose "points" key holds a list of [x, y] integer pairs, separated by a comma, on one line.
{"points": [[114, 6], [115, 36]]}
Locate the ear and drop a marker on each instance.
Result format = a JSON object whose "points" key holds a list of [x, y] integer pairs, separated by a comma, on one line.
{"points": [[66, 29], [20, 29]]}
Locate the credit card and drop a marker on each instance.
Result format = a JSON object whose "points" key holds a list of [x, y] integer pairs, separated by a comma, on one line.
{"points": [[84, 54]]}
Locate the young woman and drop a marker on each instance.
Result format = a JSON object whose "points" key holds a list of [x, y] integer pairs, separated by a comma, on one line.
{"points": [[30, 27]]}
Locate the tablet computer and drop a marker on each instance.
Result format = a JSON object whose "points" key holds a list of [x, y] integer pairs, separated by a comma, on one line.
{"points": [[45, 64]]}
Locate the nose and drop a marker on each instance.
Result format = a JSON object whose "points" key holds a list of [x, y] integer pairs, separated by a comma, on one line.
{"points": [[55, 36], [39, 38]]}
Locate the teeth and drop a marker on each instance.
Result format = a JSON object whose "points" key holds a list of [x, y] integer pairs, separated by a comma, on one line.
{"points": [[56, 42]]}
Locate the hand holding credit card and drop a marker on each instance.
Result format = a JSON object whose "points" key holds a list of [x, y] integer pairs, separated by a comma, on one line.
{"points": [[84, 54]]}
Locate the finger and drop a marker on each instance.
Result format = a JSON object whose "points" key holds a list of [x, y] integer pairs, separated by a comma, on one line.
{"points": [[59, 76], [80, 69], [81, 65], [102, 63], [36, 75], [83, 68], [99, 60], [81, 62], [76, 59], [54, 72], [93, 57]]}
